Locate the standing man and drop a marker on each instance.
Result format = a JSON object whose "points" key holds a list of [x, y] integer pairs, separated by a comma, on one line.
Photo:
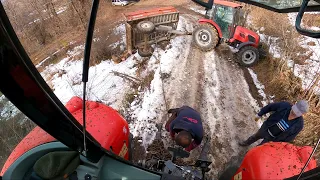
{"points": [[283, 125], [184, 125]]}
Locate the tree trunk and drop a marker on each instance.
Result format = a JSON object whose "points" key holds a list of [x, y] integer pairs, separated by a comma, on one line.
{"points": [[78, 13]]}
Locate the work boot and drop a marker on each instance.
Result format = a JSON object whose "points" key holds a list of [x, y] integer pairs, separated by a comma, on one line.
{"points": [[243, 143]]}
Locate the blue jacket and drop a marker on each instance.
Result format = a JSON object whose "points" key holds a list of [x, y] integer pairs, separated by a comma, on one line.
{"points": [[189, 120], [281, 110]]}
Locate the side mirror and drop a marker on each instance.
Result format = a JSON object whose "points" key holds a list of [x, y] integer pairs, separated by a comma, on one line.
{"points": [[306, 32]]}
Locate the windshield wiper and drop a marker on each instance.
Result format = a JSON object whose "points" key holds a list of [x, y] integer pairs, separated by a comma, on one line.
{"points": [[85, 68]]}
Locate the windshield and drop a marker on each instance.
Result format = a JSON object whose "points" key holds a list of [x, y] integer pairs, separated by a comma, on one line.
{"points": [[285, 4], [14, 126], [139, 70], [224, 17]]}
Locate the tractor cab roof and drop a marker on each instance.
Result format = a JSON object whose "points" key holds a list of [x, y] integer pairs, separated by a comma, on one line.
{"points": [[227, 3]]}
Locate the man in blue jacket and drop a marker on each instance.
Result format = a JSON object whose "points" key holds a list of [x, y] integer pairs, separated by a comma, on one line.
{"points": [[184, 125], [283, 125]]}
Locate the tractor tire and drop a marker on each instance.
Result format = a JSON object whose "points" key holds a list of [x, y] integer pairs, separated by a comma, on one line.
{"points": [[205, 37], [145, 52], [145, 27], [248, 56]]}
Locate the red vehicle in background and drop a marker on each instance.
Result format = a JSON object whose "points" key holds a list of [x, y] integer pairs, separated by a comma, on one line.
{"points": [[224, 22]]}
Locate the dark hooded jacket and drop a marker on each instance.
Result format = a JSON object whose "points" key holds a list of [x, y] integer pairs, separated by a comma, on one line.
{"points": [[189, 120], [279, 111]]}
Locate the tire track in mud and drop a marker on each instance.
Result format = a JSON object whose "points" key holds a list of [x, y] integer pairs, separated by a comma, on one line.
{"points": [[184, 85], [227, 108]]}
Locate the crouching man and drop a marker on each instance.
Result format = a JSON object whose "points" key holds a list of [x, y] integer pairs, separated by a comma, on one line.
{"points": [[185, 127]]}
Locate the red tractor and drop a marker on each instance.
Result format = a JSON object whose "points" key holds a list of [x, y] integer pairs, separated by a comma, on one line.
{"points": [[224, 22]]}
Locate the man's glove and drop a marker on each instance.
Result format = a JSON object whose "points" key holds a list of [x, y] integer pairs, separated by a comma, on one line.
{"points": [[257, 118]]}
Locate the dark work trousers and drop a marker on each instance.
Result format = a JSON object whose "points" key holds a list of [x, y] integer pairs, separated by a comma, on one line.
{"points": [[259, 135]]}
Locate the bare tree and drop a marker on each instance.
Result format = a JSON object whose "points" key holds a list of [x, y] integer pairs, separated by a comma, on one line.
{"points": [[80, 8]]}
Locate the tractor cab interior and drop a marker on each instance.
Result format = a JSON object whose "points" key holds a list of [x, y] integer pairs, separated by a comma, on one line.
{"points": [[224, 17], [54, 159], [227, 17]]}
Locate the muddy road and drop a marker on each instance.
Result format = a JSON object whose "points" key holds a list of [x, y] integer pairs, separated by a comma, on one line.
{"points": [[210, 82], [213, 84]]}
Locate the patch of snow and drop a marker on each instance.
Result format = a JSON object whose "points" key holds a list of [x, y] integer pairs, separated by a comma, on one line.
{"points": [[292, 18], [311, 68], [34, 21], [313, 28], [103, 85], [119, 30], [249, 20], [198, 9], [8, 110], [253, 102], [274, 48], [308, 71], [96, 39], [259, 86], [62, 9], [290, 63], [43, 61], [76, 51], [152, 107]]}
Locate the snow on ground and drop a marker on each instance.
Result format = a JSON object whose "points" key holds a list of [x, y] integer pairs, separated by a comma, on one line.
{"points": [[103, 85], [65, 77], [308, 71], [7, 108], [43, 61], [119, 30], [272, 42], [146, 112], [152, 108], [292, 17], [61, 9], [259, 86], [198, 9]]}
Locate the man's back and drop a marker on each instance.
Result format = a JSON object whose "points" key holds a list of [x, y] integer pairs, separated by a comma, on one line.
{"points": [[189, 120]]}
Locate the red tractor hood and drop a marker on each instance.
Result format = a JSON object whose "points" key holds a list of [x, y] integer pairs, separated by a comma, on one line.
{"points": [[275, 160], [104, 123], [243, 35]]}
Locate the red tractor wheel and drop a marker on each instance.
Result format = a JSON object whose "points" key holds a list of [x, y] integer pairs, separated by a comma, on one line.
{"points": [[205, 37], [248, 56]]}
